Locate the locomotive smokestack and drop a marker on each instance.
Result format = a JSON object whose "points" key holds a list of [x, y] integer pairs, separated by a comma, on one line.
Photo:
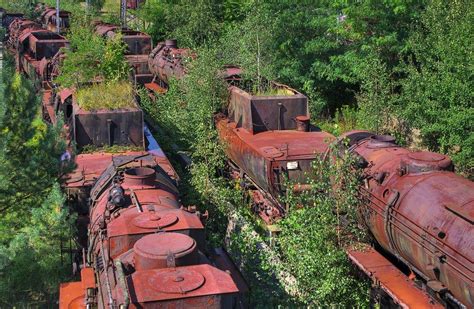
{"points": [[302, 123], [139, 176], [172, 43]]}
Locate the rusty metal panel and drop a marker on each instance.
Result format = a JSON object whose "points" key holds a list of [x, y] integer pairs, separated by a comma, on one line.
{"points": [[386, 276], [200, 284], [258, 113], [138, 43], [46, 44], [108, 127]]}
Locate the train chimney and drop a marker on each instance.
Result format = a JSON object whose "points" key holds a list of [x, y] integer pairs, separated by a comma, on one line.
{"points": [[139, 176], [172, 43], [302, 123]]}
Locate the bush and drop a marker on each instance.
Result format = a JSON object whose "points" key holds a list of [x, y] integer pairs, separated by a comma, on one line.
{"points": [[90, 57]]}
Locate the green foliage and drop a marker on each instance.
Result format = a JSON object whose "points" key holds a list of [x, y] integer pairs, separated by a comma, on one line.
{"points": [[113, 65], [91, 57], [32, 220], [29, 150], [19, 6], [345, 120], [112, 95], [31, 263], [193, 23], [322, 222], [437, 93]]}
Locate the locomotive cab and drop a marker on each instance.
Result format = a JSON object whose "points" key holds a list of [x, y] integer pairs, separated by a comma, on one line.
{"points": [[270, 142]]}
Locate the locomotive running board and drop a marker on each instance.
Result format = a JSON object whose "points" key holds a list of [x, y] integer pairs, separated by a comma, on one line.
{"points": [[391, 280]]}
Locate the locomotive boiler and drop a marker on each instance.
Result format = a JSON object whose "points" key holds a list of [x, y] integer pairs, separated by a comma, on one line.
{"points": [[420, 212], [167, 60], [144, 249]]}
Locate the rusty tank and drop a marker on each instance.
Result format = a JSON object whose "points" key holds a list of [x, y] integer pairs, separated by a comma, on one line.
{"points": [[420, 212], [144, 249]]}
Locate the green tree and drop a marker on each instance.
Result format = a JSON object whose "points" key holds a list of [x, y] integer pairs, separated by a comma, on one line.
{"points": [[29, 149], [33, 222], [91, 58], [34, 261], [437, 93]]}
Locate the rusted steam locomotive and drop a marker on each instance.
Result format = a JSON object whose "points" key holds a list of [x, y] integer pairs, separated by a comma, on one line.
{"points": [[422, 213], [267, 138], [141, 247], [49, 19], [145, 250], [418, 210]]}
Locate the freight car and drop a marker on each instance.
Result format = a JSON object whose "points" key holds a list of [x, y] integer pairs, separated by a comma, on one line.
{"points": [[421, 213], [144, 249]]}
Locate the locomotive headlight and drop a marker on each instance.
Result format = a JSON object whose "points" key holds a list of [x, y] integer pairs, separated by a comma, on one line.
{"points": [[293, 165]]}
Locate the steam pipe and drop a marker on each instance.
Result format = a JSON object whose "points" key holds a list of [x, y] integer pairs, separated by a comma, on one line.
{"points": [[123, 286]]}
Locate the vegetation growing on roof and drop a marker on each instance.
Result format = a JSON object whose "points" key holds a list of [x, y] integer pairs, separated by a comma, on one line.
{"points": [[112, 95]]}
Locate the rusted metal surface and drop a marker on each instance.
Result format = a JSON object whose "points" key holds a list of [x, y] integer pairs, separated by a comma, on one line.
{"points": [[262, 139], [145, 248], [167, 60], [196, 286], [74, 295], [386, 276], [420, 211], [260, 113], [108, 127], [48, 18], [16, 29], [138, 43], [34, 48], [134, 4], [101, 127]]}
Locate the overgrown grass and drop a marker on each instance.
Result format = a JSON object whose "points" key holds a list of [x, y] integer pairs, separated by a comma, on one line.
{"points": [[113, 95]]}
